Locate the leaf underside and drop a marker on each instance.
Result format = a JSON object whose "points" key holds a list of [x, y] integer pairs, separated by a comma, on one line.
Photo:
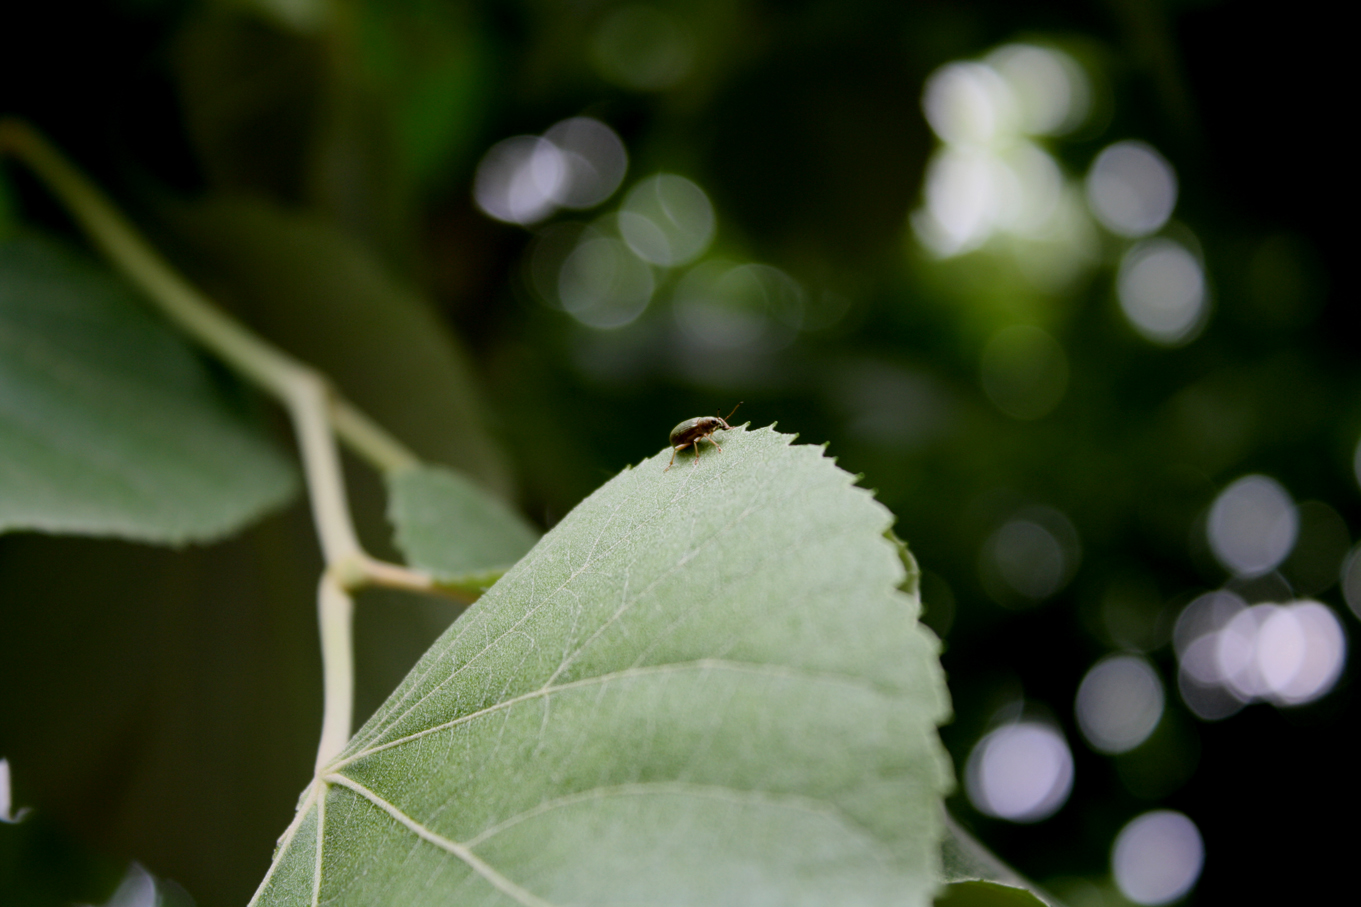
{"points": [[701, 687], [110, 423]]}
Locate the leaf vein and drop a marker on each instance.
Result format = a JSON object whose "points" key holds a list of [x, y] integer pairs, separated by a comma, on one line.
{"points": [[731, 795], [474, 862]]}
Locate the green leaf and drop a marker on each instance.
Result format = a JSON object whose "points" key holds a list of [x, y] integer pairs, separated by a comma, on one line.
{"points": [[452, 529], [110, 424], [975, 877], [701, 687]]}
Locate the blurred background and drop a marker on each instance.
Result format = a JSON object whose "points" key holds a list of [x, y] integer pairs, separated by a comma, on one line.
{"points": [[1059, 279]]}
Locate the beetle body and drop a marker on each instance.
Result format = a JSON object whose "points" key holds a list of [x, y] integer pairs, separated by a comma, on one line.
{"points": [[690, 432]]}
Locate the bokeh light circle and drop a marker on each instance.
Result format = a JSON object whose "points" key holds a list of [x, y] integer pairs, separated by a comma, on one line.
{"points": [[595, 161], [667, 220], [969, 104], [1252, 525], [1051, 91], [962, 187], [1201, 685], [1029, 557], [1161, 287], [519, 179], [1195, 637], [1157, 857], [726, 306], [602, 284], [1131, 189], [1230, 654], [1236, 653], [1119, 703], [1020, 772], [1031, 187], [641, 47], [1301, 650], [1204, 616], [1351, 580]]}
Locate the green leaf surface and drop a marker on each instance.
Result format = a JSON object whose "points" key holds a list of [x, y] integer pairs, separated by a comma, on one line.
{"points": [[701, 687], [450, 528], [110, 424]]}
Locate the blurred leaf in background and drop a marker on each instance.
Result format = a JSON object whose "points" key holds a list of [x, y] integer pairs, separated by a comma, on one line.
{"points": [[112, 427]]}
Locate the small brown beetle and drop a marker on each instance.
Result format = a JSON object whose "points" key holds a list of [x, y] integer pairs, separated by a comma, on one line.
{"points": [[690, 432]]}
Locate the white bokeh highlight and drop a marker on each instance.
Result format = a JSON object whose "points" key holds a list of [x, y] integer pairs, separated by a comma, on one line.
{"points": [[577, 163], [602, 284], [518, 179], [1131, 189], [1196, 640], [1299, 653], [667, 220], [1049, 89], [595, 161], [969, 104], [1020, 772], [1119, 703], [1161, 288], [1252, 525], [1157, 858], [989, 177], [1231, 654]]}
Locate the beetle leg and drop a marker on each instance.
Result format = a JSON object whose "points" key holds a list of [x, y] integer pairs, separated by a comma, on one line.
{"points": [[673, 459]]}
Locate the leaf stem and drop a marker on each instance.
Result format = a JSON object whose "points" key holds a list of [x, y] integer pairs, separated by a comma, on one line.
{"points": [[318, 414], [335, 614], [367, 438]]}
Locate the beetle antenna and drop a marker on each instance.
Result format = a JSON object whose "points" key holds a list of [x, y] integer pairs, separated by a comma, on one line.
{"points": [[734, 409]]}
